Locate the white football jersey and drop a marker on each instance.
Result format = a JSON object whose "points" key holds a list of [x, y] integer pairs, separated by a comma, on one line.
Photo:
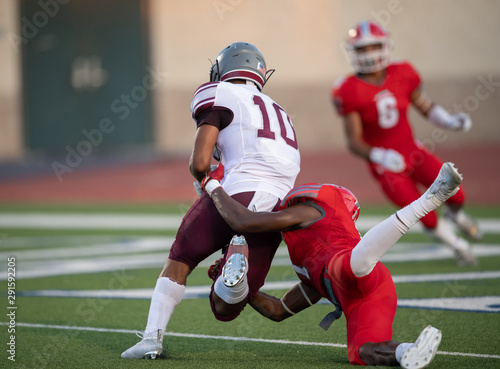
{"points": [[258, 148]]}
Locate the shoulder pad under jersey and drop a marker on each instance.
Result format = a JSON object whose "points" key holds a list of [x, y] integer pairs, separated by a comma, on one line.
{"points": [[203, 98], [310, 190]]}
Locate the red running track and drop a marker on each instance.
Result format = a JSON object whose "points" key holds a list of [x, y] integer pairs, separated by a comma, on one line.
{"points": [[169, 181]]}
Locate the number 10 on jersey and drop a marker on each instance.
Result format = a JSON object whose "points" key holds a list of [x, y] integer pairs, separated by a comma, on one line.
{"points": [[266, 131]]}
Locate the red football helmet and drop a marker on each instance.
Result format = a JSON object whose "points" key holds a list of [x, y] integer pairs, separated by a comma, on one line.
{"points": [[350, 201], [363, 34]]}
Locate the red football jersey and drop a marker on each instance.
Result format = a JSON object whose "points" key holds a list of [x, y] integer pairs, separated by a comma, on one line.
{"points": [[383, 108], [310, 248]]}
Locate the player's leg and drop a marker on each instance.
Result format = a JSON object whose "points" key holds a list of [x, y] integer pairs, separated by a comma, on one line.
{"points": [[200, 234], [230, 290], [369, 304], [425, 172], [229, 298], [166, 296], [378, 240], [402, 190]]}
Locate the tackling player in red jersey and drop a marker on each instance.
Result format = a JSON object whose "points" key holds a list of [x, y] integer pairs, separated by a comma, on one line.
{"points": [[332, 261], [373, 104]]}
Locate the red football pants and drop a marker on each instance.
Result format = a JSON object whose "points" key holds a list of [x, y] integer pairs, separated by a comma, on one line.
{"points": [[402, 188], [369, 303]]}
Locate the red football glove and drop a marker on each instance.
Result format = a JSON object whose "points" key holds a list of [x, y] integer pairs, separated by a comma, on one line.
{"points": [[213, 271], [215, 176]]}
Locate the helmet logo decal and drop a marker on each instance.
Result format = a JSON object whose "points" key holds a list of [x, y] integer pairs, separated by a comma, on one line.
{"points": [[261, 68]]}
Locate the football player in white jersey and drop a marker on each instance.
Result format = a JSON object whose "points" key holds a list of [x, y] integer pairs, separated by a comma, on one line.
{"points": [[253, 138]]}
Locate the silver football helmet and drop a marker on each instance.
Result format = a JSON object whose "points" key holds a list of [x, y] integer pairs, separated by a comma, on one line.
{"points": [[240, 60]]}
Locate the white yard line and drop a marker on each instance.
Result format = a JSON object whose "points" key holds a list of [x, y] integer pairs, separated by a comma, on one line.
{"points": [[152, 222], [194, 292], [89, 221], [120, 246], [227, 338], [136, 254]]}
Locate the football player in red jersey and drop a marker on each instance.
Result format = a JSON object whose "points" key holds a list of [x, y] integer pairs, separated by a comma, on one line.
{"points": [[332, 261], [373, 103]]}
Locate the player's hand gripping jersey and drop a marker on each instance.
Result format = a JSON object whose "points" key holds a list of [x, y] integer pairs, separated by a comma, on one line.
{"points": [[382, 108], [269, 163]]}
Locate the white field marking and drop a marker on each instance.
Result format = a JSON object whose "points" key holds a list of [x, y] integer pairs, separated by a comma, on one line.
{"points": [[482, 304], [142, 244], [89, 221], [156, 222], [41, 242], [86, 246], [227, 338], [110, 257], [194, 292]]}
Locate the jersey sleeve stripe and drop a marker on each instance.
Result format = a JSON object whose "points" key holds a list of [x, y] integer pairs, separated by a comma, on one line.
{"points": [[202, 105], [204, 87], [302, 191]]}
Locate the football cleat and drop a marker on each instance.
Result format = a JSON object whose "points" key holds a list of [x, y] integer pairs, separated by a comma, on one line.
{"points": [[236, 266], [421, 353], [465, 223], [463, 254], [150, 347], [445, 185]]}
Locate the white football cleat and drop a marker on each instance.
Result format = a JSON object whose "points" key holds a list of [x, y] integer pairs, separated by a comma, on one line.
{"points": [[236, 266], [463, 253], [421, 353], [148, 348], [465, 223], [445, 185]]}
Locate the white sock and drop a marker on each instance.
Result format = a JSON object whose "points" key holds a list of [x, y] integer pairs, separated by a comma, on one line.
{"points": [[411, 214], [459, 216], [231, 295], [402, 348], [166, 297], [445, 233], [378, 240], [375, 243]]}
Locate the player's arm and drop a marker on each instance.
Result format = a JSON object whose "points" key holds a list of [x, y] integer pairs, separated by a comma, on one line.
{"points": [[298, 298], [388, 158], [240, 219], [201, 156], [437, 114], [353, 129]]}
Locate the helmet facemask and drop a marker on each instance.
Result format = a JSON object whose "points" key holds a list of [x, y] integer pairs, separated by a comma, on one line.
{"points": [[370, 61]]}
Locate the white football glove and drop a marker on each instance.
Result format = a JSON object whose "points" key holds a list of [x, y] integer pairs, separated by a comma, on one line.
{"points": [[456, 122], [388, 158], [462, 122]]}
